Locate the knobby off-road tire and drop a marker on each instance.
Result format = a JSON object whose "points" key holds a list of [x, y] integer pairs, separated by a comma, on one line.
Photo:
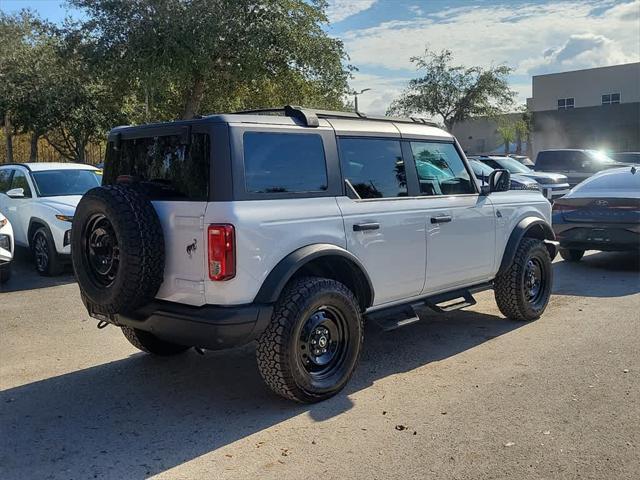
{"points": [[117, 249], [571, 255], [285, 350], [513, 286], [149, 343]]}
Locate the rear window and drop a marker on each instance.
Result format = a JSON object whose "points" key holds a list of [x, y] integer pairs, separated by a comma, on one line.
{"points": [[622, 181], [284, 163], [165, 166]]}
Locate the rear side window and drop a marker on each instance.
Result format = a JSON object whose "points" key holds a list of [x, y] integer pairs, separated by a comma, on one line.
{"points": [[621, 181], [165, 166], [284, 163], [374, 167], [441, 171]]}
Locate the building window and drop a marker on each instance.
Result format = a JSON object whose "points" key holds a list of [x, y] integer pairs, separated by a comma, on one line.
{"points": [[610, 98], [564, 103]]}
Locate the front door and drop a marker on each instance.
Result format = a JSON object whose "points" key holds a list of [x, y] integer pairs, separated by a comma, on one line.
{"points": [[383, 226], [460, 223]]}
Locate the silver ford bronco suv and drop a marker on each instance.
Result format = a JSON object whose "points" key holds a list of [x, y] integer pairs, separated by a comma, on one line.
{"points": [[292, 227]]}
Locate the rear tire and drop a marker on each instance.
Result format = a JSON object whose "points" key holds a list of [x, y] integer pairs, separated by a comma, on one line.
{"points": [[571, 255], [522, 290], [313, 343], [149, 343], [45, 256]]}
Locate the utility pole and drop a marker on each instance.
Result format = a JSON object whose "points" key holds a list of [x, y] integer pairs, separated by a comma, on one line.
{"points": [[355, 95]]}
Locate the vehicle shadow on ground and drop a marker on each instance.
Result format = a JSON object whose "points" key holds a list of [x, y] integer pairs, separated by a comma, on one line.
{"points": [[141, 415], [601, 274], [25, 277]]}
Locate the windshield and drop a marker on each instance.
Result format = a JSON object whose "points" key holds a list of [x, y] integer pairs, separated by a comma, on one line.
{"points": [[55, 183], [513, 166], [599, 156]]}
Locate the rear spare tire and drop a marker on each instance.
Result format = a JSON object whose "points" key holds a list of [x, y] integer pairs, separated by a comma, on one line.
{"points": [[117, 249]]}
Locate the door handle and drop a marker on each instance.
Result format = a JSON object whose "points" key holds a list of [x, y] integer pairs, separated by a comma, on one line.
{"points": [[361, 227], [441, 219]]}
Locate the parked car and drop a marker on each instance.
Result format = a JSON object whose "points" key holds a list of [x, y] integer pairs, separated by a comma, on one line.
{"points": [[39, 199], [601, 213], [290, 229], [576, 164], [6, 248], [523, 159], [553, 185], [626, 157], [483, 171]]}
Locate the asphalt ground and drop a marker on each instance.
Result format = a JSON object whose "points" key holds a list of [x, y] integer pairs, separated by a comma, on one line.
{"points": [[466, 395]]}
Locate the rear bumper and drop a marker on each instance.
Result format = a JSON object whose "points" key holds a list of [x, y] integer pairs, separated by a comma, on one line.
{"points": [[212, 327], [597, 237]]}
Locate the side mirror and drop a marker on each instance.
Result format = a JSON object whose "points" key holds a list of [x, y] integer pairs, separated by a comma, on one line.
{"points": [[15, 193], [499, 181]]}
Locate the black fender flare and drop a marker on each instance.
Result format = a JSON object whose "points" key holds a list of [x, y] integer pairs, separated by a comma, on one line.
{"points": [[528, 227], [287, 267]]}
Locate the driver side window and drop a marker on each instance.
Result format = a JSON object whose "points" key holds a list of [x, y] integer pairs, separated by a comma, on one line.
{"points": [[440, 169], [20, 181]]}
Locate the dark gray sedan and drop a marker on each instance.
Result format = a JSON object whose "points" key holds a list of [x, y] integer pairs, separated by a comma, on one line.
{"points": [[601, 213]]}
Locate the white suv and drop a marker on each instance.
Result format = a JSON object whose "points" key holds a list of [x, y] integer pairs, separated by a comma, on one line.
{"points": [[293, 226], [39, 200], [6, 248]]}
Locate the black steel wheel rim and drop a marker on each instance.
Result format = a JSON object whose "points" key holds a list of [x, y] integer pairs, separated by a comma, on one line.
{"points": [[534, 281], [323, 342], [41, 252], [102, 252]]}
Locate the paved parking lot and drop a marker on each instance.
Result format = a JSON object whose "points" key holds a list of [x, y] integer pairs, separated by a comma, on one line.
{"points": [[466, 395]]}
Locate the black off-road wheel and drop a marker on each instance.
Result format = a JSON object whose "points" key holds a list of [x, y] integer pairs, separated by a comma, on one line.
{"points": [[45, 256], [313, 343], [149, 343], [117, 248], [571, 255], [523, 290]]}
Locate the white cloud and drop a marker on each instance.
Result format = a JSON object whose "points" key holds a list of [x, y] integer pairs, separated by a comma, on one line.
{"points": [[339, 10], [533, 38]]}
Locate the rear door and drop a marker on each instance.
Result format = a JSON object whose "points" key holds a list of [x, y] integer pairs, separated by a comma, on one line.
{"points": [[384, 227], [172, 166]]}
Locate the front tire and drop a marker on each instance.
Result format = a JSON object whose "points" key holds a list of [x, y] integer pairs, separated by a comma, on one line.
{"points": [[571, 255], [523, 290], [45, 256], [5, 273], [149, 343], [312, 345]]}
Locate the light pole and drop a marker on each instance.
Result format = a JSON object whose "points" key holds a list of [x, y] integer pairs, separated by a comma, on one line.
{"points": [[355, 95]]}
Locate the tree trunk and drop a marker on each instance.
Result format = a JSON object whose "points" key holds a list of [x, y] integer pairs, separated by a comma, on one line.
{"points": [[8, 135], [448, 124], [194, 98], [33, 154]]}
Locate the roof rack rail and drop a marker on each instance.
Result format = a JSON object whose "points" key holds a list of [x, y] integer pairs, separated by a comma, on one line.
{"points": [[310, 116]]}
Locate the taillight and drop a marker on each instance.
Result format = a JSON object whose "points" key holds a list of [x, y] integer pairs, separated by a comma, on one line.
{"points": [[562, 207], [222, 252]]}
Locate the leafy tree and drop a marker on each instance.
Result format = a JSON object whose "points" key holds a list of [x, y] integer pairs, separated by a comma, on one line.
{"points": [[507, 132], [454, 92], [180, 55]]}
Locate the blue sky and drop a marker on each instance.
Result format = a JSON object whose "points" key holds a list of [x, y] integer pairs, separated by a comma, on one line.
{"points": [[532, 37]]}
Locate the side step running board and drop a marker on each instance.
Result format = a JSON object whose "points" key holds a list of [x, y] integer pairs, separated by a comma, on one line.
{"points": [[401, 315]]}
